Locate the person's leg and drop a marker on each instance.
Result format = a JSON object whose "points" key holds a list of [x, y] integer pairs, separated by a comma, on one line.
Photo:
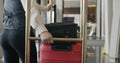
{"points": [[33, 52], [10, 56], [33, 49], [18, 43]]}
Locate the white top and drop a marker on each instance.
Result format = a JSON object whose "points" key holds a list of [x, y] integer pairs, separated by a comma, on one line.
{"points": [[36, 21]]}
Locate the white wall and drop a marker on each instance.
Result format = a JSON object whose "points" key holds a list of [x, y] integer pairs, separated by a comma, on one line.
{"points": [[1, 12], [1, 16], [114, 36], [59, 10], [111, 18]]}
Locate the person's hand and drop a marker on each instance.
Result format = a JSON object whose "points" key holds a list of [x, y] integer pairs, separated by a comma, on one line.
{"points": [[46, 37], [50, 5]]}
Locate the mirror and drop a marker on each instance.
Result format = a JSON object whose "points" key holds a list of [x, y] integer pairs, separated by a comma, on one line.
{"points": [[71, 14], [68, 11]]}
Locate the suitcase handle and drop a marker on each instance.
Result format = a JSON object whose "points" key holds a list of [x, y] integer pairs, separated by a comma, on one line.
{"points": [[66, 46]]}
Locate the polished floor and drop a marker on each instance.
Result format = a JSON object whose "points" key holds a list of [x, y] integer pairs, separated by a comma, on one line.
{"points": [[92, 58], [91, 55]]}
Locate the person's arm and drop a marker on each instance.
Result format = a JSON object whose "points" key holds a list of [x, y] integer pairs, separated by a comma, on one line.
{"points": [[38, 25], [45, 8], [36, 20], [40, 7]]}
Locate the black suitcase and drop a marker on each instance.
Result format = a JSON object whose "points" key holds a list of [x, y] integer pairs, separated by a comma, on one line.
{"points": [[62, 30]]}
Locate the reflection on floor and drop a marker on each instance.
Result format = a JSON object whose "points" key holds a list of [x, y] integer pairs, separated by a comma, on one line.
{"points": [[91, 56]]}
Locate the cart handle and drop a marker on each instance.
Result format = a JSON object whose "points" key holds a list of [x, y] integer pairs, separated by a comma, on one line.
{"points": [[60, 39]]}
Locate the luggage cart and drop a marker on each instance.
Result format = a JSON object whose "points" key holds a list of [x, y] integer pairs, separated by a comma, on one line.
{"points": [[83, 31]]}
